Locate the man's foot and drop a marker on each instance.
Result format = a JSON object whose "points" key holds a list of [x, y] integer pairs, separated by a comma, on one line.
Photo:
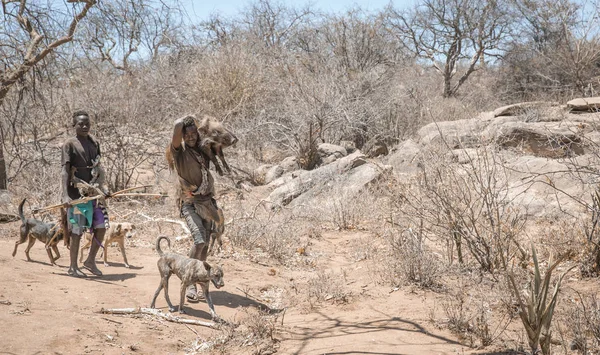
{"points": [[92, 268], [191, 294], [76, 272]]}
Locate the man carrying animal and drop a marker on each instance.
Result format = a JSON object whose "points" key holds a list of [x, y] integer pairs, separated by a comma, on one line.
{"points": [[199, 208], [81, 177]]}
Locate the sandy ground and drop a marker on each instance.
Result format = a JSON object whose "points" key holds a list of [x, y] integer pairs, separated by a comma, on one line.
{"points": [[43, 310]]}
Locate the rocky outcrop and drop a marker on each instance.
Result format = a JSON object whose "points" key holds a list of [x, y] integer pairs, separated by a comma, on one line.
{"points": [[350, 173], [588, 104], [328, 153]]}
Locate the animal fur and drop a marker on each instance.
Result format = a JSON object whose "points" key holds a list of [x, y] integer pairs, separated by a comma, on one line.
{"points": [[190, 271], [116, 233], [213, 138], [33, 229]]}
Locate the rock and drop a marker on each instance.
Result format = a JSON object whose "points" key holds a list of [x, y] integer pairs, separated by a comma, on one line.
{"points": [[541, 140], [259, 174], [305, 180], [585, 104], [273, 173], [289, 164], [404, 160], [330, 153], [522, 108], [349, 146]]}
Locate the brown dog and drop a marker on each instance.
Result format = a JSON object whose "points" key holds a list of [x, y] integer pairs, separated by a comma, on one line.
{"points": [[33, 229], [213, 138], [117, 232], [189, 271]]}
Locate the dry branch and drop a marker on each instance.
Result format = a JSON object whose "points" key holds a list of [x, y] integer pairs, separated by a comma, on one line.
{"points": [[181, 223], [157, 313]]}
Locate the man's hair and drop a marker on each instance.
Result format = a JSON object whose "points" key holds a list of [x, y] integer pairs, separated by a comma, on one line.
{"points": [[189, 121], [77, 114]]}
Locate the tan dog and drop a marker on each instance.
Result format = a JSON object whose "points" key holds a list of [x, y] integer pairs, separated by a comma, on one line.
{"points": [[117, 232], [190, 271]]}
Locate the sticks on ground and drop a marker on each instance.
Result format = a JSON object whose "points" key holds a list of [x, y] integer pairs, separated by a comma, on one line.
{"points": [[157, 313]]}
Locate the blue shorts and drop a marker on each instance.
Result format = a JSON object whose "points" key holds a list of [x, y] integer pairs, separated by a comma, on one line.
{"points": [[85, 216]]}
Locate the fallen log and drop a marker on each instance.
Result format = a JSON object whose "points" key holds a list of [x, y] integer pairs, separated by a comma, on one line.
{"points": [[157, 313]]}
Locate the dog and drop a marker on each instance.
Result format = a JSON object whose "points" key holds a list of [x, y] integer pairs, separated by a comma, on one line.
{"points": [[33, 229], [117, 232], [189, 271]]}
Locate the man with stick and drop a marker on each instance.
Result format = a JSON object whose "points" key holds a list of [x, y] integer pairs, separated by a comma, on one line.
{"points": [[80, 168], [198, 207]]}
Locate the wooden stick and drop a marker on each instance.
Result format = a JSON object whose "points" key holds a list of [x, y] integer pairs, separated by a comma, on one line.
{"points": [[157, 313], [90, 198], [139, 195], [71, 203], [129, 189]]}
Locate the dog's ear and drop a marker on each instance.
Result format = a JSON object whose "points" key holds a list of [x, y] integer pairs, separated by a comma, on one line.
{"points": [[132, 226], [118, 229], [207, 266]]}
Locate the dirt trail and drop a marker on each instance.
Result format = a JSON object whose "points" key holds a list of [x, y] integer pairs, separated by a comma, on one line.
{"points": [[50, 312]]}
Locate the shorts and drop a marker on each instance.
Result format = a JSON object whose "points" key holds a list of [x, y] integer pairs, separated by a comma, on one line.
{"points": [[86, 216], [199, 217]]}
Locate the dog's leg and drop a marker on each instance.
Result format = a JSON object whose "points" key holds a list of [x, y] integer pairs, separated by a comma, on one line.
{"points": [[31, 243], [55, 248], [209, 300], [50, 256], [122, 247], [87, 245], [160, 287], [166, 288], [182, 292], [222, 158], [105, 254]]}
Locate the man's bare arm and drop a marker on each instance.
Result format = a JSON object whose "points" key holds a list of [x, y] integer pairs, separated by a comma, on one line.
{"points": [[177, 133], [65, 182]]}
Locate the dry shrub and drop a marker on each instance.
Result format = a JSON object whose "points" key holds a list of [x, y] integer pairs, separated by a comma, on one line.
{"points": [[410, 260], [583, 318], [254, 333], [279, 234], [327, 286]]}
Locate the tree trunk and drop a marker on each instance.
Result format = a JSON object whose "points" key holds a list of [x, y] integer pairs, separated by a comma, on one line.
{"points": [[2, 168]]}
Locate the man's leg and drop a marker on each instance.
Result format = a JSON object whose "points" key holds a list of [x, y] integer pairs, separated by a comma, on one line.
{"points": [[90, 262], [73, 254], [99, 229], [200, 248], [76, 223]]}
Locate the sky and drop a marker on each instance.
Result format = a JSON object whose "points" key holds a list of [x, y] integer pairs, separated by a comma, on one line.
{"points": [[202, 9]]}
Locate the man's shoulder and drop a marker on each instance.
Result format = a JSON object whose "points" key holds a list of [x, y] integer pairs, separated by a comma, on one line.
{"points": [[70, 141]]}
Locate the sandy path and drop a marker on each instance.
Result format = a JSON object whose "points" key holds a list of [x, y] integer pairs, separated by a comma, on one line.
{"points": [[50, 312]]}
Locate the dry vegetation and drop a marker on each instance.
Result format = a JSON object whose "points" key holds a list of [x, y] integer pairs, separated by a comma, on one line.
{"points": [[285, 79]]}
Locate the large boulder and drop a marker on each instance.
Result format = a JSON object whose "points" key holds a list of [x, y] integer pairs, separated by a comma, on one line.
{"points": [[291, 187], [266, 173], [585, 104], [330, 152], [547, 140], [522, 108]]}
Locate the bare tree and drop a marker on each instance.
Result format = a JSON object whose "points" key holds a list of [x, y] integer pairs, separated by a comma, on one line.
{"points": [[30, 32], [452, 35], [120, 32], [557, 52]]}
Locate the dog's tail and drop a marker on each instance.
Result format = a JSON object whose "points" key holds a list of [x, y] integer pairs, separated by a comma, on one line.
{"points": [[21, 210], [160, 252]]}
